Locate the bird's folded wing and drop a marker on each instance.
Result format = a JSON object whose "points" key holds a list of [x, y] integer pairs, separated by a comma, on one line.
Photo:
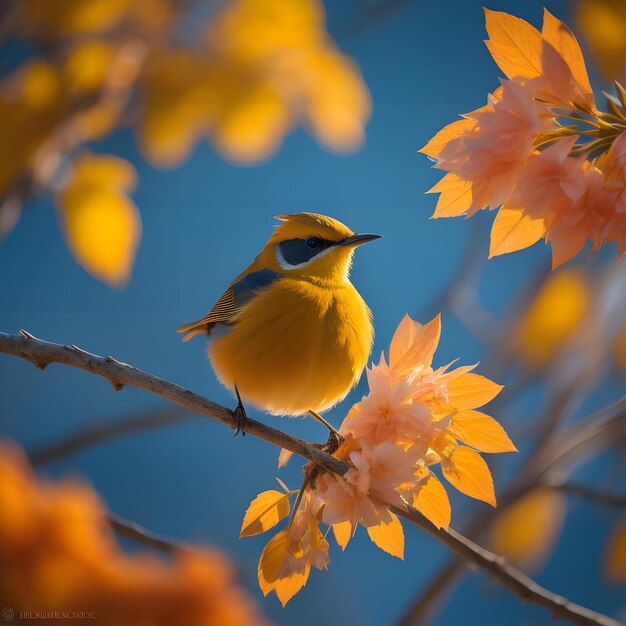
{"points": [[225, 310]]}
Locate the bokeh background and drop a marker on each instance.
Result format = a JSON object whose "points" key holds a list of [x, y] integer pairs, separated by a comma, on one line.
{"points": [[203, 222]]}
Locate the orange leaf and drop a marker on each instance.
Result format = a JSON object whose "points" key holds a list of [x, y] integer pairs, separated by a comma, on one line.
{"points": [[514, 230], [514, 44], [480, 431], [470, 391], [287, 587], [431, 500], [616, 555], [343, 533], [404, 336], [466, 470], [526, 532], [389, 536], [270, 564], [452, 131], [561, 38], [264, 512], [456, 196], [423, 348]]}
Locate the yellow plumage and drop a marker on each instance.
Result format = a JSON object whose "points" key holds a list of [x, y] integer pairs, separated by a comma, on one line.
{"points": [[293, 336]]}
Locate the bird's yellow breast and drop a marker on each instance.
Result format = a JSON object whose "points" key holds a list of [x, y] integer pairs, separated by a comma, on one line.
{"points": [[298, 345]]}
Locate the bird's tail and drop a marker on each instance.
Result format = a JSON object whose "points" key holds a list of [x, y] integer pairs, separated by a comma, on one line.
{"points": [[199, 327]]}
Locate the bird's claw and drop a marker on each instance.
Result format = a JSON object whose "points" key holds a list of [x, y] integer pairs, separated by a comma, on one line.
{"points": [[335, 439], [240, 416], [332, 443]]}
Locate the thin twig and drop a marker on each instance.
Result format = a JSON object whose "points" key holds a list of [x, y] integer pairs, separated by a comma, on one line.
{"points": [[132, 530], [42, 353], [105, 431], [599, 496]]}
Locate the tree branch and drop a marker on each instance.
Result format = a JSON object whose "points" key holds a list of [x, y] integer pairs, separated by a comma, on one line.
{"points": [[585, 438], [512, 578], [42, 353]]}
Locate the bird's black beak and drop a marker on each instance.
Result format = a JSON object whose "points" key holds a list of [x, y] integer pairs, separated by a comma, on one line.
{"points": [[357, 240]]}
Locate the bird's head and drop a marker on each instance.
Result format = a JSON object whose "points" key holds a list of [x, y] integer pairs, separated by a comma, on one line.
{"points": [[312, 245]]}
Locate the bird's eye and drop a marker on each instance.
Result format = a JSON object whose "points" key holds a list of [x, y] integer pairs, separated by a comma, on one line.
{"points": [[313, 242]]}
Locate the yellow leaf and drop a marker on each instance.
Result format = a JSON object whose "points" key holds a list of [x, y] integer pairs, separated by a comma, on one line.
{"points": [[466, 470], [514, 44], [103, 171], [480, 431], [456, 196], [452, 131], [338, 103], [343, 533], [553, 317], [102, 231], [616, 555], [166, 139], [271, 561], [470, 391], [40, 85], [253, 127], [423, 348], [431, 500], [526, 532], [264, 512], [561, 38], [514, 230], [88, 65], [389, 536]]}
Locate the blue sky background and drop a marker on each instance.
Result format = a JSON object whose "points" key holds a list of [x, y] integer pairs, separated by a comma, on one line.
{"points": [[202, 224]]}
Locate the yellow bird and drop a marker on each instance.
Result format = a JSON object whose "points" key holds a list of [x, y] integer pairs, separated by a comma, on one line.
{"points": [[291, 334]]}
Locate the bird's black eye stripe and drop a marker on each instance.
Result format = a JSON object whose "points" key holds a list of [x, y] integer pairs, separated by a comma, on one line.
{"points": [[298, 251]]}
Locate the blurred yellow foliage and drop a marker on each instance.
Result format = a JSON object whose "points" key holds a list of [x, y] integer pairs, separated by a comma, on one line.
{"points": [[267, 65], [616, 555], [102, 226], [58, 553], [603, 25], [526, 532], [558, 310], [88, 64], [242, 80]]}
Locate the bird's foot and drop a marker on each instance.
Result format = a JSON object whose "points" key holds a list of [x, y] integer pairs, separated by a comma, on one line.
{"points": [[335, 438], [240, 415]]}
